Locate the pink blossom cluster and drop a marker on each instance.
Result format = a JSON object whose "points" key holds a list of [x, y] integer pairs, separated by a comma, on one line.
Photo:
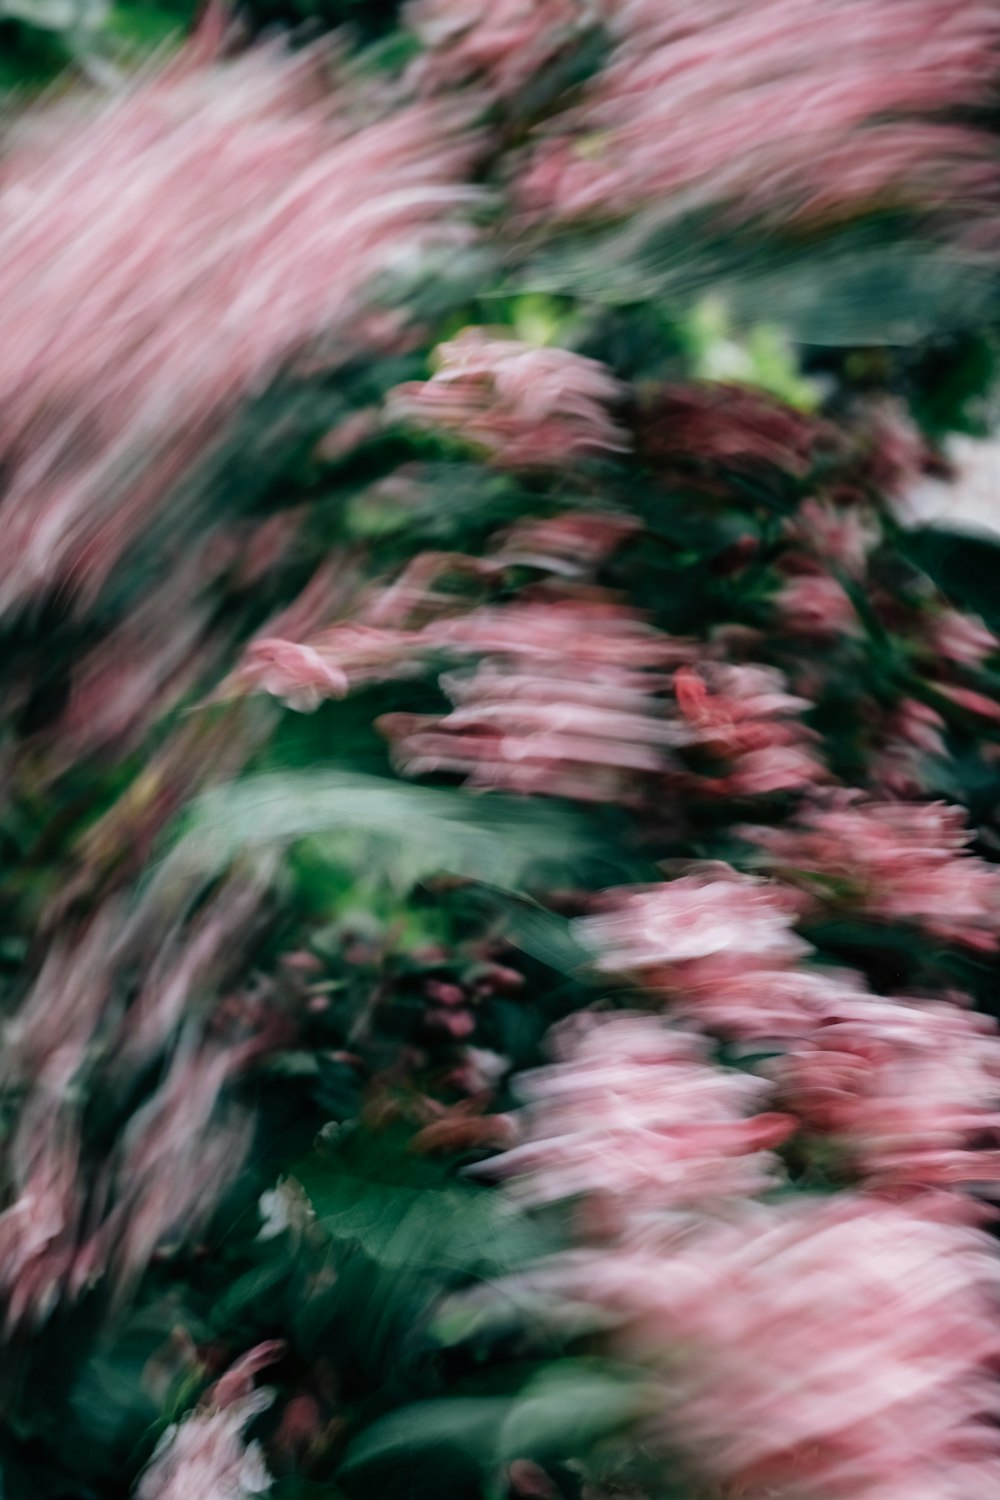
{"points": [[836, 1347], [636, 1118], [825, 1346], [395, 627], [70, 1223], [906, 738], [745, 105], [572, 699], [821, 1346], [743, 716], [908, 1090], [574, 694], [832, 535], [568, 702], [721, 948], [207, 1453], [500, 46], [894, 861], [524, 405], [165, 254]]}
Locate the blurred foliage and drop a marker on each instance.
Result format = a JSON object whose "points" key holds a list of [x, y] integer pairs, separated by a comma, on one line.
{"points": [[347, 1236]]}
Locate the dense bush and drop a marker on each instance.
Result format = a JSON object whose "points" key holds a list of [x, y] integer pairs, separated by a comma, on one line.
{"points": [[500, 889]]}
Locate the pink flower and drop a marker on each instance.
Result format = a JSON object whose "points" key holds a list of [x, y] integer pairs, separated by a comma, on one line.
{"points": [[744, 109], [637, 1115], [898, 862], [553, 629], [733, 998], [836, 536], [567, 702], [961, 638], [721, 949], [206, 1455], [39, 1230], [814, 604], [499, 44], [537, 731], [571, 544], [743, 716], [712, 913], [524, 405], [907, 1090], [970, 700], [823, 1348], [298, 675], [905, 739], [165, 254]]}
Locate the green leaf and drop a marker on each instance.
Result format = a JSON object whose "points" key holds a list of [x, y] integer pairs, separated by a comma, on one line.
{"points": [[450, 1230], [566, 1409], [386, 828], [465, 1424], [965, 567], [561, 1413]]}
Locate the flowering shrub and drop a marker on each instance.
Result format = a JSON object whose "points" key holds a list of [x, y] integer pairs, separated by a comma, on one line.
{"points": [[501, 898]]}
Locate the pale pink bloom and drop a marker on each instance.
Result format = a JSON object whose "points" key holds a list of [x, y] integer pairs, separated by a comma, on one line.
{"points": [[329, 665], [841, 537], [743, 716], [572, 544], [715, 912], [720, 947], [498, 44], [836, 1347], [166, 252], [568, 701], [961, 638], [370, 653], [895, 861], [909, 735], [638, 1116], [746, 107], [743, 1002], [297, 674], [908, 1090], [970, 700], [525, 405], [237, 1383], [552, 629], [178, 1154], [814, 604], [39, 1229], [207, 1456], [541, 731]]}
